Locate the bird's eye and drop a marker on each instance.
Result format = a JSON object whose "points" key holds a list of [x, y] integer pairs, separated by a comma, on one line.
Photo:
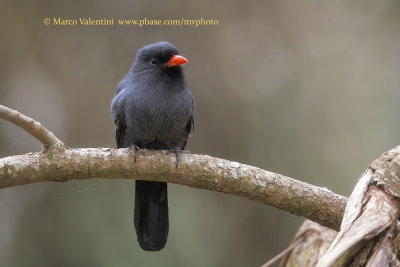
{"points": [[153, 61]]}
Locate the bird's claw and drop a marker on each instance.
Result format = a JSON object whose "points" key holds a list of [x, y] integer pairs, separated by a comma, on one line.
{"points": [[134, 151], [177, 155]]}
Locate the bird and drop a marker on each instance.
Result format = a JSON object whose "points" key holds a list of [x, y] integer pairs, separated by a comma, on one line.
{"points": [[153, 108]]}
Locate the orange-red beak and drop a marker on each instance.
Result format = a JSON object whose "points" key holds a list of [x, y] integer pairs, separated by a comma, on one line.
{"points": [[176, 60]]}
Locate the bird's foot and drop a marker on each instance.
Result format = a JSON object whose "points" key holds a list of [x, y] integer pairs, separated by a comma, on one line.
{"points": [[178, 158], [134, 151], [177, 155]]}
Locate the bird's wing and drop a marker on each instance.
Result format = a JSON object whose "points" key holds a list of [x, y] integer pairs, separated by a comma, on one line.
{"points": [[189, 128], [119, 88], [190, 125], [120, 127], [121, 85]]}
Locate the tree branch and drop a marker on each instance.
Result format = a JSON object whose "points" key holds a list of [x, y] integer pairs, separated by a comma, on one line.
{"points": [[369, 234], [31, 126], [370, 222], [200, 171]]}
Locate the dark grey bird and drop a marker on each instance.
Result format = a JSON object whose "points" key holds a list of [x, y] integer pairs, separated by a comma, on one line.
{"points": [[153, 109]]}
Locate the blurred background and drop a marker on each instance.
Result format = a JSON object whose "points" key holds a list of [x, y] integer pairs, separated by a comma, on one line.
{"points": [[307, 89]]}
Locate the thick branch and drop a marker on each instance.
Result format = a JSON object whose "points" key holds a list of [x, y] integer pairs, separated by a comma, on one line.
{"points": [[369, 234], [314, 203], [31, 126], [369, 224], [200, 171]]}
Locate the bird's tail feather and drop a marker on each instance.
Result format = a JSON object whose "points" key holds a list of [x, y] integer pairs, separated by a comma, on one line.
{"points": [[151, 214]]}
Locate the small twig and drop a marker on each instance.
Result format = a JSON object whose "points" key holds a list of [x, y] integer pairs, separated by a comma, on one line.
{"points": [[34, 128], [283, 253]]}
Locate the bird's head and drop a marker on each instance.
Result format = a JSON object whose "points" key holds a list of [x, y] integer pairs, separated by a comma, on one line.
{"points": [[161, 57]]}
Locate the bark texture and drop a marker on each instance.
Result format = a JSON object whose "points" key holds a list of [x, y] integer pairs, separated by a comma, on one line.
{"points": [[200, 171], [32, 127], [369, 234]]}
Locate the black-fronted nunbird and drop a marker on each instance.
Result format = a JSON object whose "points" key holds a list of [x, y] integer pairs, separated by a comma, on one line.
{"points": [[153, 109]]}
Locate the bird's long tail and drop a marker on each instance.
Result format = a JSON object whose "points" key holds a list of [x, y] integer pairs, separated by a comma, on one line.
{"points": [[151, 214]]}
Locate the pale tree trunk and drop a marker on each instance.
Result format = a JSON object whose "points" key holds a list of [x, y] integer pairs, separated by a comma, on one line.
{"points": [[369, 233]]}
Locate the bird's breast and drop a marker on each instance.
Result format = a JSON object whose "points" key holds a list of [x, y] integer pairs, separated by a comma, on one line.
{"points": [[161, 117]]}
